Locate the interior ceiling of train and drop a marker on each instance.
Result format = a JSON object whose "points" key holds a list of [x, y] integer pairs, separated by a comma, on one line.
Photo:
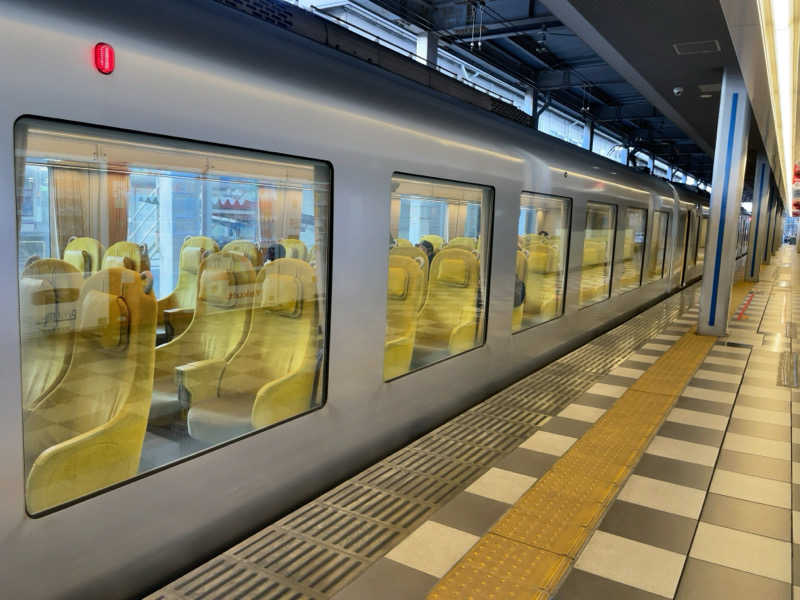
{"points": [[527, 42]]}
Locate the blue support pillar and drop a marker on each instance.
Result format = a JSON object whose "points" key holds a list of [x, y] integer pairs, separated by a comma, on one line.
{"points": [[767, 256], [730, 156], [758, 222]]}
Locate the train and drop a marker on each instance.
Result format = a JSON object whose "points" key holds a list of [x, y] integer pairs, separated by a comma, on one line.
{"points": [[248, 266]]}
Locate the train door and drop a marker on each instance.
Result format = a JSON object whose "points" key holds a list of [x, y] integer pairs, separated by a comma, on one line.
{"points": [[690, 256], [678, 265]]}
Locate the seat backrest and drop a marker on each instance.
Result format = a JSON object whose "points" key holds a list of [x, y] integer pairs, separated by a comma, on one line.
{"points": [[540, 258], [403, 295], [402, 243], [221, 316], [192, 252], [463, 242], [246, 249], [49, 291], [88, 432], [452, 296], [282, 336], [294, 248], [85, 254], [421, 258], [117, 253], [436, 241]]}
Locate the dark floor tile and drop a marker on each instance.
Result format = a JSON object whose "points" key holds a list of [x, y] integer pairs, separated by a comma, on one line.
{"points": [[752, 517], [765, 403], [707, 366], [674, 471], [650, 526], [635, 364], [596, 400], [758, 466], [570, 427], [796, 452], [717, 408], [471, 513], [527, 462], [796, 498], [795, 420], [708, 384], [767, 431], [388, 580], [617, 380], [757, 376], [703, 580], [724, 352], [581, 585], [690, 433], [796, 563]]}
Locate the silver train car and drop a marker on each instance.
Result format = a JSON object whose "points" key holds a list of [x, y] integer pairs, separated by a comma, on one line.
{"points": [[248, 266]]}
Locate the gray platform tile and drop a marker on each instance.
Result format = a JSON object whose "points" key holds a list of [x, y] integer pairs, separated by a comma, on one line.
{"points": [[581, 585], [570, 427], [718, 386], [702, 580], [690, 433], [757, 466], [796, 563], [650, 526], [730, 370], [717, 408], [796, 498], [596, 400], [388, 580], [617, 380], [527, 462], [674, 471], [768, 431], [471, 513], [635, 364], [795, 420], [753, 517], [796, 452]]}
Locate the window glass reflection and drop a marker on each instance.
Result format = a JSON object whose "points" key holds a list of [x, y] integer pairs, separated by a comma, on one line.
{"points": [[598, 252], [633, 248], [658, 249]]}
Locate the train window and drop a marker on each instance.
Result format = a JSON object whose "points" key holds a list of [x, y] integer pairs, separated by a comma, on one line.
{"points": [[598, 253], [438, 270], [172, 298], [680, 249], [633, 248], [702, 234], [541, 259], [658, 248], [691, 256]]}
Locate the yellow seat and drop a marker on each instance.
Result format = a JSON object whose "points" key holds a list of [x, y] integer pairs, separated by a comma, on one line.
{"points": [[217, 329], [403, 296], [520, 270], [403, 243], [185, 292], [271, 376], [49, 291], [449, 317], [117, 253], [85, 254], [246, 249], [541, 297], [463, 242], [421, 258], [87, 433], [294, 248], [436, 241]]}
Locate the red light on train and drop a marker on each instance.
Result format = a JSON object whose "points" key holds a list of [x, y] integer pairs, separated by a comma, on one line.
{"points": [[104, 58]]}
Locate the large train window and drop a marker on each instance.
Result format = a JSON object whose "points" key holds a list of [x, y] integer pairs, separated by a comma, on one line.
{"points": [[635, 228], [702, 234], [172, 297], [598, 253], [541, 259], [658, 248], [438, 271]]}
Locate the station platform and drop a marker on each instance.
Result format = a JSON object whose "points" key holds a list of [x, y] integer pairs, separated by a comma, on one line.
{"points": [[649, 463]]}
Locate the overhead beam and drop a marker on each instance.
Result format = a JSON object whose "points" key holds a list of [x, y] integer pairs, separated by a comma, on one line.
{"points": [[561, 79], [491, 31]]}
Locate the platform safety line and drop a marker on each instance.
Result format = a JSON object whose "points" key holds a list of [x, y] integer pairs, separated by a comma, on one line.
{"points": [[740, 314], [530, 549]]}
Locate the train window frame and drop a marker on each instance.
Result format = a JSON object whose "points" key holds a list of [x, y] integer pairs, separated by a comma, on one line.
{"points": [[324, 371], [612, 270], [565, 276], [489, 228], [644, 248]]}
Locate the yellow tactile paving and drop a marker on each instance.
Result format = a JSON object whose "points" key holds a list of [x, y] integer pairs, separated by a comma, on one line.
{"points": [[549, 524]]}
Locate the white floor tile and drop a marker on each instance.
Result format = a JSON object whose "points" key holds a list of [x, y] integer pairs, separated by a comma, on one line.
{"points": [[501, 485], [774, 417], [681, 450], [644, 358], [667, 337], [658, 347], [717, 376], [698, 419], [795, 593], [754, 489], [759, 446], [626, 372], [744, 551], [764, 392], [580, 412], [796, 408], [662, 495], [635, 564], [549, 443], [732, 349], [605, 389], [712, 395], [433, 548]]}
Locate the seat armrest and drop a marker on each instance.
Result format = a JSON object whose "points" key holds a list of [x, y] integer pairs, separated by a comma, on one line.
{"points": [[198, 381], [463, 336], [283, 398], [176, 320]]}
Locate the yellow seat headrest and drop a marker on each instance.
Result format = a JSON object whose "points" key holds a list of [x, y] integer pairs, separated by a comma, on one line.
{"points": [[282, 294], [398, 283], [123, 262], [80, 259], [105, 319], [191, 257], [453, 272], [217, 287]]}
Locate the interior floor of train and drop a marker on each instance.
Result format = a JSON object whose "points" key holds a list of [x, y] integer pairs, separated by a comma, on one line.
{"points": [[649, 463]]}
